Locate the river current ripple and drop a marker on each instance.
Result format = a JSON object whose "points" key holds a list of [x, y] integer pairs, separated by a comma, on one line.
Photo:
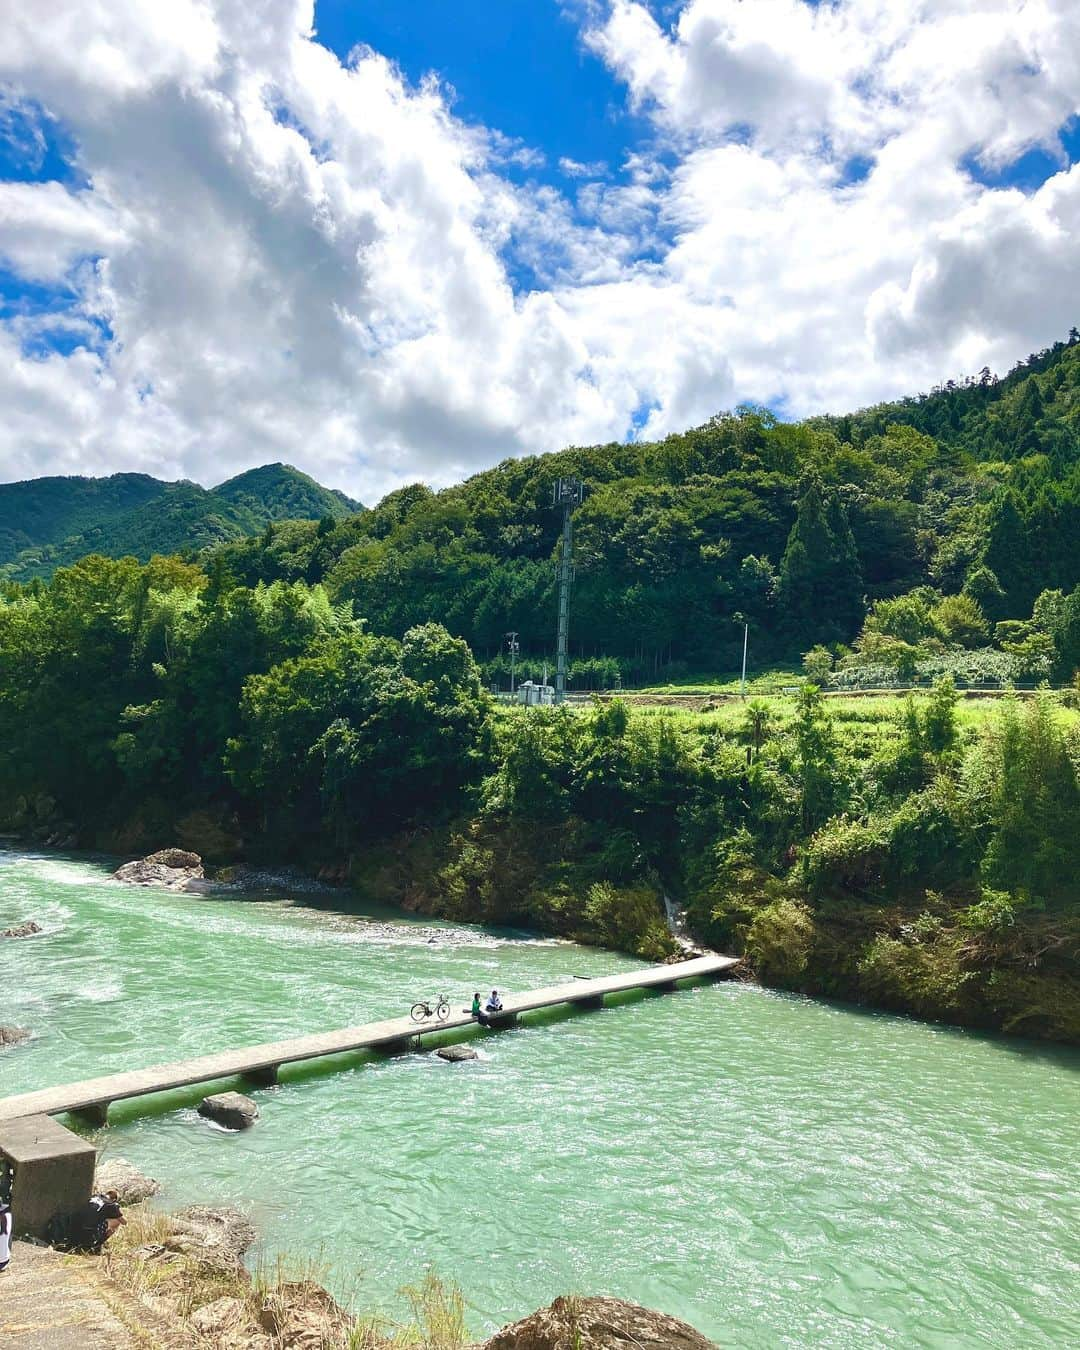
{"points": [[780, 1172]]}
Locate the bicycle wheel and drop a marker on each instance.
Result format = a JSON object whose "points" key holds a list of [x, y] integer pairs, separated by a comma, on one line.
{"points": [[420, 1012], [442, 1012]]}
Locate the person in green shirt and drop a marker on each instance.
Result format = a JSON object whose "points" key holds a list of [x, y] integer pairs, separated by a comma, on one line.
{"points": [[476, 1005]]}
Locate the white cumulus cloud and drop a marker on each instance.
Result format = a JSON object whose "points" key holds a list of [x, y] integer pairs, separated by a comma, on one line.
{"points": [[271, 254]]}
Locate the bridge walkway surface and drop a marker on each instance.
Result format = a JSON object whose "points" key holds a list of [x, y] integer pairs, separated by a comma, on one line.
{"points": [[260, 1063]]}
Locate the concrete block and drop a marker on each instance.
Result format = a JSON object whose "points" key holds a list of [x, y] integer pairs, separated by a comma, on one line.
{"points": [[53, 1171]]}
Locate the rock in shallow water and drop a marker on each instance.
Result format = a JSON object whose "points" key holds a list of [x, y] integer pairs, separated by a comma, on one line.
{"points": [[130, 1185], [231, 1109], [457, 1054], [598, 1324], [27, 929], [172, 868], [13, 1035]]}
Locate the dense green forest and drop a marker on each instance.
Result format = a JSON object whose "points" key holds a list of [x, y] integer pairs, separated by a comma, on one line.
{"points": [[46, 523], [315, 694], [898, 538]]}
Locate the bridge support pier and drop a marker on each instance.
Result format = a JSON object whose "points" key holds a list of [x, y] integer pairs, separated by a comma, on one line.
{"points": [[402, 1046], [97, 1113], [266, 1078], [497, 1021], [668, 987], [52, 1171], [590, 1001]]}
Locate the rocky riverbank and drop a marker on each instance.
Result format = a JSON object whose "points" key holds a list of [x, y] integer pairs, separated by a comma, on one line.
{"points": [[186, 1272]]}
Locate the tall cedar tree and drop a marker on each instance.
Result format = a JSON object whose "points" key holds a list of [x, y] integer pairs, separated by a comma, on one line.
{"points": [[820, 584], [1008, 555], [846, 600]]}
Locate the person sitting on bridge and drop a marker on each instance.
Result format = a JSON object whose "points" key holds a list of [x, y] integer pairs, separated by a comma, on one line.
{"points": [[494, 1003]]}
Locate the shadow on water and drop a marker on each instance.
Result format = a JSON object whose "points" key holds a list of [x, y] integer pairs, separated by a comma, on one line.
{"points": [[348, 904], [1050, 1053]]}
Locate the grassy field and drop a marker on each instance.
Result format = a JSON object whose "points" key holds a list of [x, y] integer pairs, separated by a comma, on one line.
{"points": [[855, 711], [771, 680]]}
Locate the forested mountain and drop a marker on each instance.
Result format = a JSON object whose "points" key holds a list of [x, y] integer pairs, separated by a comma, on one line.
{"points": [[930, 521], [47, 523]]}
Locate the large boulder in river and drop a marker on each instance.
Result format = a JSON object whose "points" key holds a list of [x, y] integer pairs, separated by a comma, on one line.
{"points": [[172, 868], [27, 929], [13, 1035], [457, 1054], [598, 1324], [130, 1185], [231, 1109]]}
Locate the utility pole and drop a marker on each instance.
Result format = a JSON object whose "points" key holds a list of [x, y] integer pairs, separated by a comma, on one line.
{"points": [[745, 639], [515, 647], [567, 493]]}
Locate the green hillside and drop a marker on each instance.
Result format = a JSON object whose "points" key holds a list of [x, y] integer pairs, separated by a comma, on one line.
{"points": [[47, 523], [899, 535], [280, 492], [46, 510]]}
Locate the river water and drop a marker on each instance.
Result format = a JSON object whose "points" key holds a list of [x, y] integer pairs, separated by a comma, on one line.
{"points": [[778, 1171]]}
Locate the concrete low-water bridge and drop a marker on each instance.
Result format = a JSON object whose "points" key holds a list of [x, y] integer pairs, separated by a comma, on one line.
{"points": [[54, 1168]]}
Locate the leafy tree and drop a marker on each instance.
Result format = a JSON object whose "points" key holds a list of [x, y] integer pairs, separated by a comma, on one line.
{"points": [[757, 721], [960, 620], [815, 757], [818, 664], [1026, 781]]}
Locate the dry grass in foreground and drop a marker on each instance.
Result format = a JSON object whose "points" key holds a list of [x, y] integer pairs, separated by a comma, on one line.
{"points": [[188, 1268]]}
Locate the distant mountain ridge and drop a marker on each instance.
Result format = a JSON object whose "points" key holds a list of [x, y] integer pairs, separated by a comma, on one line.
{"points": [[47, 523]]}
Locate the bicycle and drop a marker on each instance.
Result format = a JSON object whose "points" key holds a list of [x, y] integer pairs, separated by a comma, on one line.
{"points": [[438, 1008]]}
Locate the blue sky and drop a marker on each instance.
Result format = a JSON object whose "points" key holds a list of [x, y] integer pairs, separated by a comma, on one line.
{"points": [[575, 109], [223, 242]]}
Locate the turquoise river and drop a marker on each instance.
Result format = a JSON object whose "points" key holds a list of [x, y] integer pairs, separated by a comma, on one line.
{"points": [[778, 1171]]}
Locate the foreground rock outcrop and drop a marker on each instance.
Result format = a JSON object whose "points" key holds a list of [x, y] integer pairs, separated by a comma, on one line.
{"points": [[598, 1324], [27, 929], [231, 1109], [208, 1239], [131, 1185], [187, 1270], [172, 868], [217, 1236]]}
